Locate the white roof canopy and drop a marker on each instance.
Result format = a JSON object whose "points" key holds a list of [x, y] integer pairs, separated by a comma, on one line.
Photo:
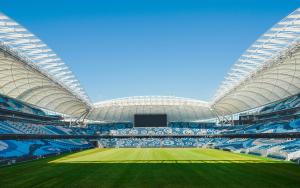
{"points": [[268, 70], [32, 72], [177, 109]]}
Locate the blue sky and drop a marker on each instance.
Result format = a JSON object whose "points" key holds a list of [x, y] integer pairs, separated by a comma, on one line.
{"points": [[120, 48]]}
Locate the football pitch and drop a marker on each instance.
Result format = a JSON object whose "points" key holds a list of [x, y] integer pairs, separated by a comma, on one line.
{"points": [[162, 167]]}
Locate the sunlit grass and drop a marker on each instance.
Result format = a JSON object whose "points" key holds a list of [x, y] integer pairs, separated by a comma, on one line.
{"points": [[161, 167], [160, 155]]}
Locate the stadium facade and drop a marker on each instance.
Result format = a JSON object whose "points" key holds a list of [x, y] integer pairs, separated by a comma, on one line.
{"points": [[34, 80]]}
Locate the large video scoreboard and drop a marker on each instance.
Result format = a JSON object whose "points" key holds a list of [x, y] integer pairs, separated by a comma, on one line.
{"points": [[150, 120]]}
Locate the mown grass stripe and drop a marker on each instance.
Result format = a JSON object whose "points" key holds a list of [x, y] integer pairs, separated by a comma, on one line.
{"points": [[152, 167]]}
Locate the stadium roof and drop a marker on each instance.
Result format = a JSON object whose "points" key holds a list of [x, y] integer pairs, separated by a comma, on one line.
{"points": [[32, 72], [267, 71], [177, 109]]}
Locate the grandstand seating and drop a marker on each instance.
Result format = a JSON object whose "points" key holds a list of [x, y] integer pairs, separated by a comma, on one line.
{"points": [[252, 146], [28, 149], [174, 128], [37, 148], [15, 105], [277, 148], [288, 103]]}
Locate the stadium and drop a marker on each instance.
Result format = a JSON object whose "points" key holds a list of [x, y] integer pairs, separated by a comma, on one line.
{"points": [[53, 135]]}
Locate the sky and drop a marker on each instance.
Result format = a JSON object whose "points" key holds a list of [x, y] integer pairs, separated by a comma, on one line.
{"points": [[121, 48]]}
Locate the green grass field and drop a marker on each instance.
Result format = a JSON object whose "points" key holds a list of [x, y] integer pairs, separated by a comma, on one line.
{"points": [[152, 168]]}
